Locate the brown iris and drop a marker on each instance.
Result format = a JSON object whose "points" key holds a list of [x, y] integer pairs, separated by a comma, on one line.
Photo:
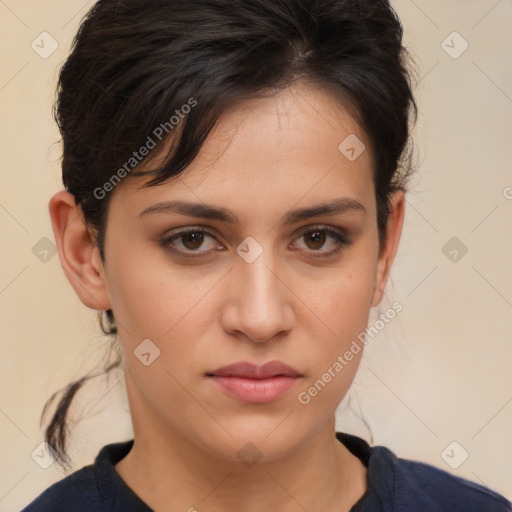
{"points": [[318, 238], [193, 240]]}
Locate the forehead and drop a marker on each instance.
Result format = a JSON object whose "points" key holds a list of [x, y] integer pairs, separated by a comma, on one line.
{"points": [[269, 151]]}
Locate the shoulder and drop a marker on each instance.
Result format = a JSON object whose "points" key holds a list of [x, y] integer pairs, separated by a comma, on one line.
{"points": [[412, 485], [96, 487], [77, 492]]}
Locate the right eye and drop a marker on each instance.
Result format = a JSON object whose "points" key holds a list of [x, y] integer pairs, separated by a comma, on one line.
{"points": [[189, 241]]}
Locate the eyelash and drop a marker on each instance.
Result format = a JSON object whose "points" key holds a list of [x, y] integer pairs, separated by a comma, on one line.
{"points": [[339, 237]]}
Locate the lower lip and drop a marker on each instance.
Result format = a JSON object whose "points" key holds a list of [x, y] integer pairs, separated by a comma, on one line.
{"points": [[255, 391]]}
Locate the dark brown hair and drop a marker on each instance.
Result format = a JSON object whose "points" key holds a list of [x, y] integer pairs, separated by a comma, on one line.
{"points": [[135, 63]]}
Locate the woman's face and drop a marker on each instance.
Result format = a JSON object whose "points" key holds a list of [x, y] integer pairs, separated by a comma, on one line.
{"points": [[263, 282]]}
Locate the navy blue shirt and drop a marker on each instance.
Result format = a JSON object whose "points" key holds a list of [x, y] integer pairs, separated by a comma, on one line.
{"points": [[394, 485]]}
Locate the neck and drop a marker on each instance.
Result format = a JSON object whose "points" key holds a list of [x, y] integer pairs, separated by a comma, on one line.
{"points": [[169, 473]]}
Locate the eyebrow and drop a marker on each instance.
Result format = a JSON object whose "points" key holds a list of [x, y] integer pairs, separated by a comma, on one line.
{"points": [[207, 211]]}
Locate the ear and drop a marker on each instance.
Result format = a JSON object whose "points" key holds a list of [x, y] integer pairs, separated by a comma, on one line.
{"points": [[388, 250], [78, 253]]}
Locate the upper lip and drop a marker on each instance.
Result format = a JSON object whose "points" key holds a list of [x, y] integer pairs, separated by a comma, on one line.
{"points": [[252, 371]]}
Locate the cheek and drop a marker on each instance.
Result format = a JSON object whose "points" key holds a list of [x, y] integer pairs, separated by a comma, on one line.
{"points": [[339, 310], [153, 300], [343, 298], [342, 317], [334, 352]]}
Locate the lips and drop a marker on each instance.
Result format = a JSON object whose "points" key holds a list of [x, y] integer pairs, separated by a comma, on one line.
{"points": [[253, 384], [250, 371]]}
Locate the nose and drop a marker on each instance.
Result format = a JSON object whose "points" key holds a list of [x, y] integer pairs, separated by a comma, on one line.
{"points": [[260, 303]]}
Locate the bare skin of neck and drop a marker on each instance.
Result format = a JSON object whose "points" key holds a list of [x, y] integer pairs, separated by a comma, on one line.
{"points": [[324, 476]]}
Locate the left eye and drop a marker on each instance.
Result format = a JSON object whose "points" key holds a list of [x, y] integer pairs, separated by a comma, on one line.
{"points": [[317, 237]]}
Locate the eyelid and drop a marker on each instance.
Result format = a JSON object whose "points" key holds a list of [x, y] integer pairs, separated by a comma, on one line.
{"points": [[322, 227], [189, 229]]}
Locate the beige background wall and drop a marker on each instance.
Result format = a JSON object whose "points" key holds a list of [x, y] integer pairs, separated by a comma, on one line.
{"points": [[438, 373]]}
